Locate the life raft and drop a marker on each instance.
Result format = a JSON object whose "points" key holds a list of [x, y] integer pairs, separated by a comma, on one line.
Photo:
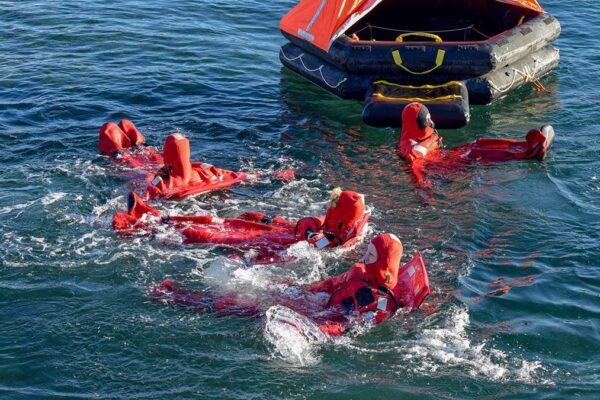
{"points": [[492, 46]]}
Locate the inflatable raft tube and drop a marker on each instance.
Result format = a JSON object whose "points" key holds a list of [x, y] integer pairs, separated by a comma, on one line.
{"points": [[482, 89], [448, 103], [430, 55], [499, 83]]}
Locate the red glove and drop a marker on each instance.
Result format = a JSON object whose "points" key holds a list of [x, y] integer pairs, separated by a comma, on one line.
{"points": [[307, 227]]}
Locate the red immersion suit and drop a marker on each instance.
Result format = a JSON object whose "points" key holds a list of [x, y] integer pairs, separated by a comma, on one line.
{"points": [[421, 145], [179, 177], [254, 230], [378, 286], [372, 290], [173, 175], [124, 143]]}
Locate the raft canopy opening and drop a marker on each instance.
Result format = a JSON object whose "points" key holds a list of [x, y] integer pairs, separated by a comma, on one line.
{"points": [[447, 21], [321, 22]]}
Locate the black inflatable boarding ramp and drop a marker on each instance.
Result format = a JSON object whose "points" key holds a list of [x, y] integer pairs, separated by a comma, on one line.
{"points": [[448, 103]]}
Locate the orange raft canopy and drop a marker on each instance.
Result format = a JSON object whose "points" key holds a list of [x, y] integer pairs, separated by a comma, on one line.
{"points": [[320, 22]]}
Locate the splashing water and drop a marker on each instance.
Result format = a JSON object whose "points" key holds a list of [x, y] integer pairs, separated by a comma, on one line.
{"points": [[294, 337], [437, 348]]}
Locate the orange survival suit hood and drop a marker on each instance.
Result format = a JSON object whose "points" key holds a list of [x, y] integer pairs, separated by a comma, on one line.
{"points": [[345, 209], [416, 122], [113, 137], [382, 259], [176, 153]]}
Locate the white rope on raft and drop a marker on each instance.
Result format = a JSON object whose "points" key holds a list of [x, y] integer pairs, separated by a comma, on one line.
{"points": [[320, 69], [465, 29], [383, 28], [527, 74]]}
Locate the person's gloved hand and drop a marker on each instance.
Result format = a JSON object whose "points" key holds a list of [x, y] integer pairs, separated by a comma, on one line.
{"points": [[307, 227]]}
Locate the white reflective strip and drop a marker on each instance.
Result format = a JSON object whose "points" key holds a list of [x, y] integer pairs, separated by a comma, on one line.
{"points": [[420, 149], [178, 136], [411, 271], [306, 35], [362, 198], [382, 304], [417, 289], [205, 165], [314, 18], [157, 180], [217, 220], [321, 243]]}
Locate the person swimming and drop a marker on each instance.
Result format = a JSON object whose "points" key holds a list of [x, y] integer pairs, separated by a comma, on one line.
{"points": [[421, 145], [172, 174], [371, 290], [342, 224]]}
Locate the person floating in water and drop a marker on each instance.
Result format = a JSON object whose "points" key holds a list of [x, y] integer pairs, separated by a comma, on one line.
{"points": [[125, 143], [180, 177], [373, 290], [421, 145], [173, 174], [342, 224]]}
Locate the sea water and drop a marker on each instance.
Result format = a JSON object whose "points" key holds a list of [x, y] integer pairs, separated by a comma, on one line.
{"points": [[512, 249]]}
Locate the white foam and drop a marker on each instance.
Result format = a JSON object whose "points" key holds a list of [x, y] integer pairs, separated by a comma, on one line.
{"points": [[117, 203], [20, 206], [293, 337], [231, 275], [52, 198], [451, 346]]}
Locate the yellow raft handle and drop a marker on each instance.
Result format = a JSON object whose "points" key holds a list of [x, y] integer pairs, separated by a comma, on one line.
{"points": [[439, 58], [400, 38]]}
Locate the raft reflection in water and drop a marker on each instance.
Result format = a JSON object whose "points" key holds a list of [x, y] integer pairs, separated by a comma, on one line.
{"points": [[370, 291]]}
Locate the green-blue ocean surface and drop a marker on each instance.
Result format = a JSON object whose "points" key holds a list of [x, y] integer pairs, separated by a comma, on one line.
{"points": [[512, 249]]}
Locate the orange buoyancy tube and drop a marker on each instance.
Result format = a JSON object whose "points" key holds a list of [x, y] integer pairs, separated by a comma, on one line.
{"points": [[125, 142], [179, 177]]}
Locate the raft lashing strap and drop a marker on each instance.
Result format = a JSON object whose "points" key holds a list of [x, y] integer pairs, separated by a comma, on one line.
{"points": [[439, 58]]}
